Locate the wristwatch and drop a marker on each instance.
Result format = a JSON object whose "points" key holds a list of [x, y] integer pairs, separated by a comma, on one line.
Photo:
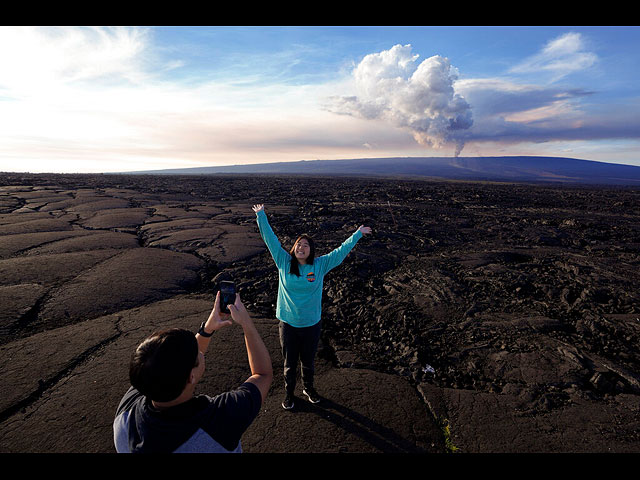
{"points": [[202, 332]]}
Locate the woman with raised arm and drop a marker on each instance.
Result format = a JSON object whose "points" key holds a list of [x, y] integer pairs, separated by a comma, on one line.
{"points": [[299, 305]]}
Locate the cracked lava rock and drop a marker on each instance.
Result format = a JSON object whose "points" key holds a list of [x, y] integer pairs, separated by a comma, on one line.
{"points": [[512, 310]]}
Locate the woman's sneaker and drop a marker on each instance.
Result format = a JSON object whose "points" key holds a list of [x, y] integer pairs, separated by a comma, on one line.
{"points": [[311, 394], [287, 403]]}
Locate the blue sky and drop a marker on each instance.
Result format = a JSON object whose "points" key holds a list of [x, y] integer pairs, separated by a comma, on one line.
{"points": [[104, 99]]}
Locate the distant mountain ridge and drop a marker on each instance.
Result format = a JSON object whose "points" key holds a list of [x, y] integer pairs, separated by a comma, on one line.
{"points": [[518, 169]]}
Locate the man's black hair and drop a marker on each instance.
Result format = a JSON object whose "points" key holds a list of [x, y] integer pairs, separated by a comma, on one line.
{"points": [[162, 363]]}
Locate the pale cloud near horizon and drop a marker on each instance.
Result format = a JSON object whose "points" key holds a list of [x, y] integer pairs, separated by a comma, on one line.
{"points": [[83, 93]]}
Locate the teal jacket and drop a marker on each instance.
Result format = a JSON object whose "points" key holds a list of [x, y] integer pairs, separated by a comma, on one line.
{"points": [[300, 298]]}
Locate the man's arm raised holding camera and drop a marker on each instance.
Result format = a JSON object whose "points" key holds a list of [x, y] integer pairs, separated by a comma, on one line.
{"points": [[213, 323], [259, 359]]}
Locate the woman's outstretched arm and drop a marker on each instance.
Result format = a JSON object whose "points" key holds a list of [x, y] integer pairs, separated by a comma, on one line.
{"points": [[335, 258], [280, 256]]}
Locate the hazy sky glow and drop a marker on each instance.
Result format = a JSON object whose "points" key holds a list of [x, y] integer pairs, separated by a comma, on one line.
{"points": [[122, 99]]}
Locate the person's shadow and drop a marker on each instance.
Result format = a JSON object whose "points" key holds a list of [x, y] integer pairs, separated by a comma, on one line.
{"points": [[382, 438]]}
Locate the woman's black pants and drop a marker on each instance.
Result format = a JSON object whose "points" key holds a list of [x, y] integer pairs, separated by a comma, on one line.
{"points": [[299, 344]]}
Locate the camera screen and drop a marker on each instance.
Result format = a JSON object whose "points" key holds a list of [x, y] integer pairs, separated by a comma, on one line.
{"points": [[227, 295]]}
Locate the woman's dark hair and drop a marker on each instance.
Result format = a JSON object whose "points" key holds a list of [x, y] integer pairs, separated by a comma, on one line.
{"points": [[294, 261], [162, 363]]}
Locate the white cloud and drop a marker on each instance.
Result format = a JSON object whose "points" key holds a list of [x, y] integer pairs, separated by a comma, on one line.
{"points": [[421, 98], [559, 57], [36, 62]]}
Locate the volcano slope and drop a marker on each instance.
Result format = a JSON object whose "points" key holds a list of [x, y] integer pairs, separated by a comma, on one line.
{"points": [[477, 317]]}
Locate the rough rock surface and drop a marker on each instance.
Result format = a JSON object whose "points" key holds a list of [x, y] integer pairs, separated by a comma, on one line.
{"points": [[477, 317]]}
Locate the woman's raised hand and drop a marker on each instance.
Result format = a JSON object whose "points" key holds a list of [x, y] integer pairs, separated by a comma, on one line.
{"points": [[365, 230], [257, 208]]}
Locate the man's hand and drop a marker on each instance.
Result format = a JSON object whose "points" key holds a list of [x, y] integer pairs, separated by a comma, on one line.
{"points": [[365, 230], [239, 312], [217, 319], [257, 208]]}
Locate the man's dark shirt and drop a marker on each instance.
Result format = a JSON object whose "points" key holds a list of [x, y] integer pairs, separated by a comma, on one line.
{"points": [[203, 424]]}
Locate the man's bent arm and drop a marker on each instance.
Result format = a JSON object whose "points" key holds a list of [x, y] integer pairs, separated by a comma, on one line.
{"points": [[257, 353], [259, 360]]}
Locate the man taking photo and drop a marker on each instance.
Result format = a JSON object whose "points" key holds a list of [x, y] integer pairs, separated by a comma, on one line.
{"points": [[160, 412]]}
